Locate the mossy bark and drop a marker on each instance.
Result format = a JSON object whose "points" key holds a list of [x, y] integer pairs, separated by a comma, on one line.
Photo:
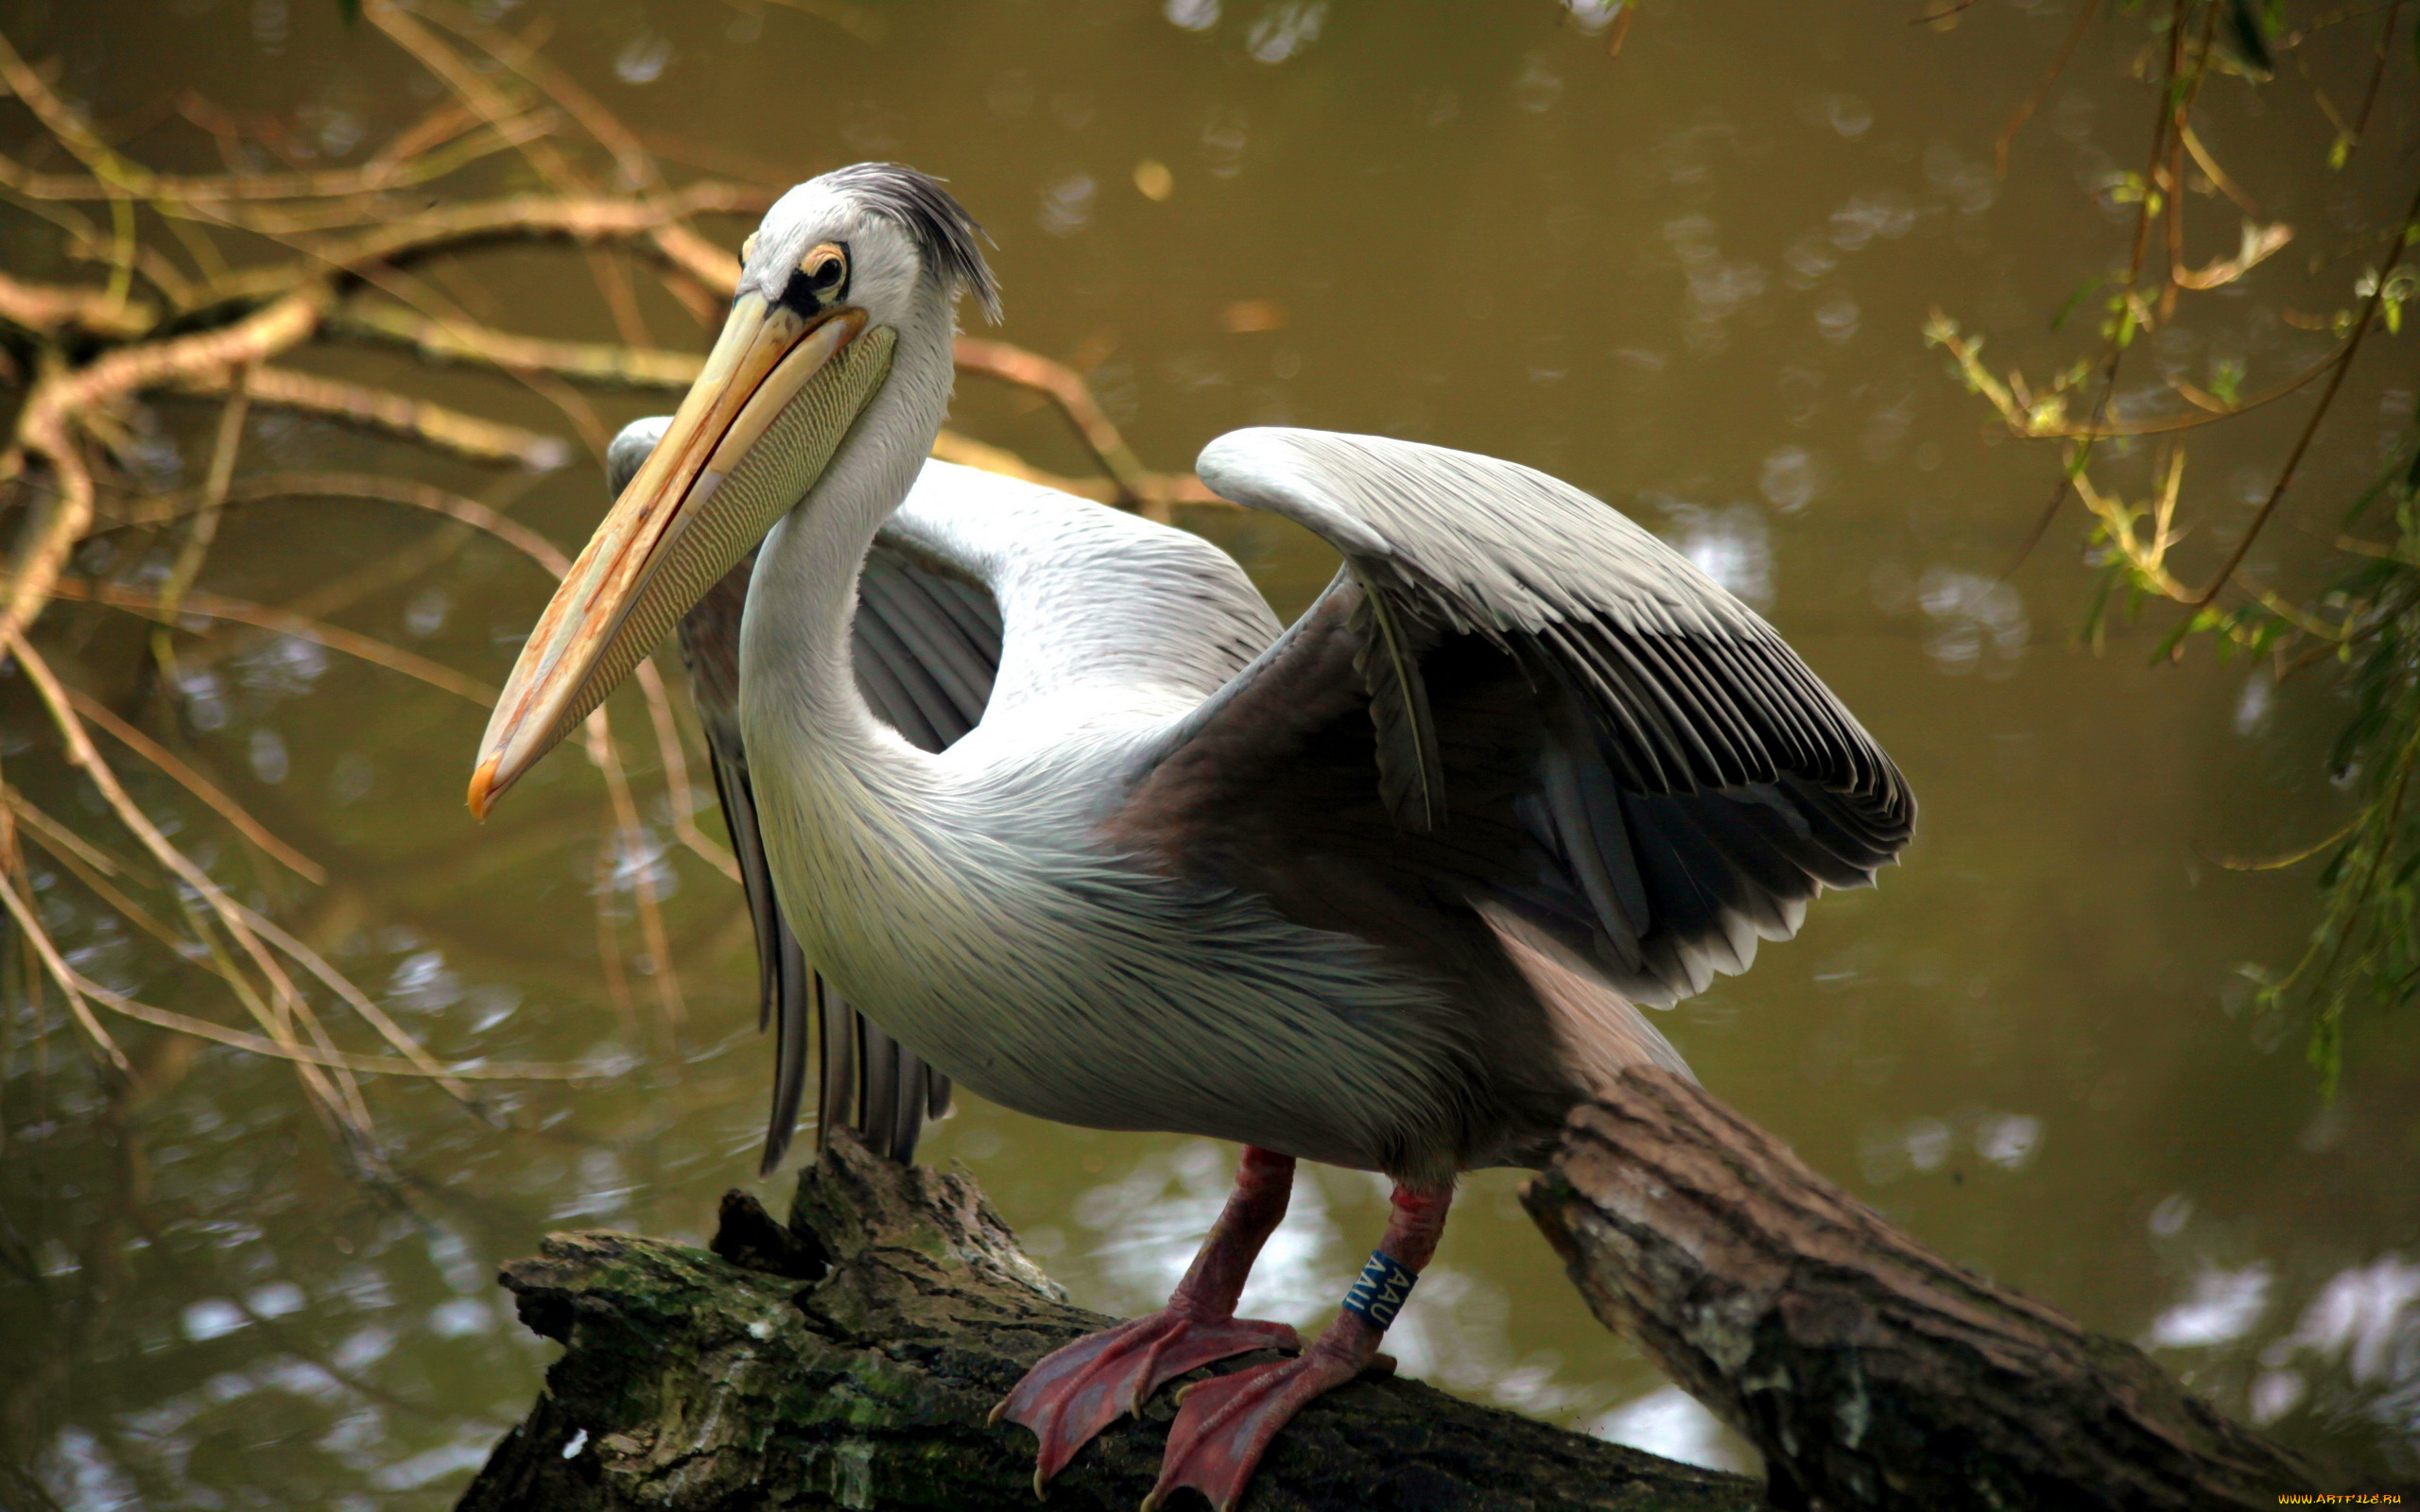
{"points": [[1871, 1371], [851, 1357]]}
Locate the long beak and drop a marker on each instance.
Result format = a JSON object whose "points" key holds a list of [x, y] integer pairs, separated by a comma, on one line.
{"points": [[777, 397]]}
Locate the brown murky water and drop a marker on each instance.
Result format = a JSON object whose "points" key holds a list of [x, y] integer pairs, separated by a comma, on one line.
{"points": [[1689, 278]]}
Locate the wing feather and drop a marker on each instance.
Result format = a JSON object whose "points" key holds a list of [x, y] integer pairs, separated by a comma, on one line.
{"points": [[1683, 782], [920, 629], [1411, 775], [903, 687]]}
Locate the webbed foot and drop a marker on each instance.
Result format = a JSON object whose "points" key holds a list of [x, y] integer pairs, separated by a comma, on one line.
{"points": [[1078, 1390], [1223, 1425]]}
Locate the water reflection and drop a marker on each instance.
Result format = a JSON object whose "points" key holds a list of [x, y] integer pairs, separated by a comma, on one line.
{"points": [[1670, 1423], [1729, 544], [2225, 1305], [1147, 1226], [1689, 278], [2365, 1324]]}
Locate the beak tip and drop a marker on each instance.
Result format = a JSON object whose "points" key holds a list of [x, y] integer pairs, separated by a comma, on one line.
{"points": [[483, 793]]}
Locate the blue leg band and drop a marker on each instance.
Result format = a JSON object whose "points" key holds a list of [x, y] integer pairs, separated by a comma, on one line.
{"points": [[1379, 1295]]}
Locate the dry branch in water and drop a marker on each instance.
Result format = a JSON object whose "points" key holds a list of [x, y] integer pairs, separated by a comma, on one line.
{"points": [[260, 269]]}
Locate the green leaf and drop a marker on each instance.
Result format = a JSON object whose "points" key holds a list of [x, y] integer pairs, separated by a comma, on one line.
{"points": [[2403, 873], [2329, 873], [2083, 291], [2379, 484], [2326, 1053], [2169, 643], [2251, 38]]}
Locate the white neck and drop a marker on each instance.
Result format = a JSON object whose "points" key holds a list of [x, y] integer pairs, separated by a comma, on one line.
{"points": [[796, 665]]}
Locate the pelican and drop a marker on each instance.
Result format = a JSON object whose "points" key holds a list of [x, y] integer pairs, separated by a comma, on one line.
{"points": [[1383, 888]]}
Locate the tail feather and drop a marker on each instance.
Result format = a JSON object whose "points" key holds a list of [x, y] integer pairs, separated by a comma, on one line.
{"points": [[837, 1026], [793, 1004]]}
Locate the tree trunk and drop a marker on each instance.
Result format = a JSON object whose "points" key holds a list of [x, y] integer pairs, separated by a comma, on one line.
{"points": [[1870, 1371], [850, 1359]]}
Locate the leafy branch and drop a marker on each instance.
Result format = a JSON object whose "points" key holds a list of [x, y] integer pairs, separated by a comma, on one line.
{"points": [[2365, 620]]}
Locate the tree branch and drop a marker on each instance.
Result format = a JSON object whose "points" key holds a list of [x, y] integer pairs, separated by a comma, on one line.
{"points": [[1870, 1371], [852, 1357]]}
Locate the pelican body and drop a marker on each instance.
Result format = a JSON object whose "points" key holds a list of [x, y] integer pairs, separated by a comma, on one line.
{"points": [[1049, 798]]}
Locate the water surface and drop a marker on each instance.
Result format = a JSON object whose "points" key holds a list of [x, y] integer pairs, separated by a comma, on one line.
{"points": [[1689, 278]]}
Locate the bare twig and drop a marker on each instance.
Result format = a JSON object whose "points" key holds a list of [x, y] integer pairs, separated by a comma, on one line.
{"points": [[635, 165], [412, 495], [682, 796], [2034, 101], [212, 197], [46, 308], [1166, 488], [469, 85], [43, 426], [604, 363], [696, 256], [381, 409], [330, 1059], [371, 1014], [336, 1094], [81, 858], [2217, 175], [2377, 76], [2327, 397], [199, 786], [212, 606], [70, 985], [203, 528], [1936, 11], [634, 856], [1074, 397], [458, 228]]}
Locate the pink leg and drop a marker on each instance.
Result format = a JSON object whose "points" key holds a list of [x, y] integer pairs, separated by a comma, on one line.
{"points": [[1079, 1390], [1225, 1424]]}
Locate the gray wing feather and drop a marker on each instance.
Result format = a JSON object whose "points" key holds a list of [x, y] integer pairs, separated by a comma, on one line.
{"points": [[1694, 784], [931, 626], [1102, 601]]}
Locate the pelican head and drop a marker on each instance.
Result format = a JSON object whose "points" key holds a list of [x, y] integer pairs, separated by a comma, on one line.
{"points": [[842, 267]]}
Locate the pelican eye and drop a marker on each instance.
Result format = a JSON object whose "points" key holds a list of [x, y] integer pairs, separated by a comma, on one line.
{"points": [[819, 281], [826, 270]]}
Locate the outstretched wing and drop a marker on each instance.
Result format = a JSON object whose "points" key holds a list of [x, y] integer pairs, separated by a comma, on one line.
{"points": [[1515, 697], [927, 643]]}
